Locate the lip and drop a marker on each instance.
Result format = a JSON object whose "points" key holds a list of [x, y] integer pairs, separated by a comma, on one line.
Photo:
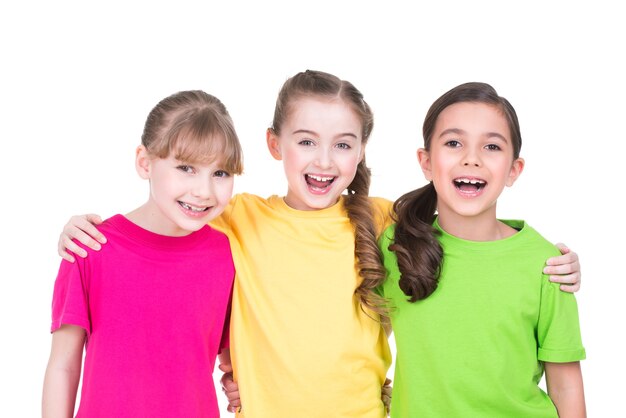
{"points": [[469, 186], [319, 184], [193, 213]]}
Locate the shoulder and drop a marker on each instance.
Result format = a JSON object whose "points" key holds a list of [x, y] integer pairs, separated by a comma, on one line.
{"points": [[381, 204], [381, 211], [533, 241], [110, 230]]}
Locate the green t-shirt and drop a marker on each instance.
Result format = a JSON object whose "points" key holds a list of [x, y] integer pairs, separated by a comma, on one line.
{"points": [[475, 347]]}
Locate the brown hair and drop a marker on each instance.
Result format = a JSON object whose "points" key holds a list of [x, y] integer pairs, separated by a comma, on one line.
{"points": [[194, 127], [317, 83], [415, 243]]}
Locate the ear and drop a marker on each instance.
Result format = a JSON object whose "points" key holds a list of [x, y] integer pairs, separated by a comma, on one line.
{"points": [[362, 154], [273, 144], [516, 169], [143, 162], [423, 157]]}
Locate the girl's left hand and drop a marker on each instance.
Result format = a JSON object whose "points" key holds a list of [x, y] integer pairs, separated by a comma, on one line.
{"points": [[564, 269]]}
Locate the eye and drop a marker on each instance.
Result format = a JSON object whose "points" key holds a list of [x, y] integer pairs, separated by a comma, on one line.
{"points": [[343, 145], [306, 142], [493, 147], [453, 143], [186, 169], [221, 173]]}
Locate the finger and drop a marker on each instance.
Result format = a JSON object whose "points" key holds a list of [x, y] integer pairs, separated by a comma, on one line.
{"points": [[570, 288], [568, 279], [226, 368], [66, 244], [85, 225], [230, 386], [66, 256], [564, 249], [93, 218], [227, 378], [84, 237], [568, 258], [234, 398], [562, 269]]}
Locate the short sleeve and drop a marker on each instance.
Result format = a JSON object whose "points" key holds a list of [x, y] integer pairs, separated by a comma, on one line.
{"points": [[69, 301], [558, 328]]}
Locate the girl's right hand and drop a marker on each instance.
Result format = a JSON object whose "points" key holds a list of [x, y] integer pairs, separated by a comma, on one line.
{"points": [[82, 229], [230, 389]]}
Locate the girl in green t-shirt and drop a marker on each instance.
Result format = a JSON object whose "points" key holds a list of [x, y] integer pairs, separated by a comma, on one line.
{"points": [[474, 318]]}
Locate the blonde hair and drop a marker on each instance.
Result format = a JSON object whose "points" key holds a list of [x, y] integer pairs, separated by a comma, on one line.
{"points": [[195, 127], [317, 83]]}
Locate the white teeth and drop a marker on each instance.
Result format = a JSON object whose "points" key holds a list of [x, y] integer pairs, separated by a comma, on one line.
{"points": [[320, 178], [193, 208], [469, 181]]}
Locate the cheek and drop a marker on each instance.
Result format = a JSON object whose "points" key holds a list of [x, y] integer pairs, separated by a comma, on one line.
{"points": [[291, 159], [224, 191], [349, 163]]}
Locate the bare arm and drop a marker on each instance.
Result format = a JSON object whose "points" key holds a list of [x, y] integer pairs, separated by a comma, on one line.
{"points": [[564, 269], [229, 386], [565, 388], [63, 372]]}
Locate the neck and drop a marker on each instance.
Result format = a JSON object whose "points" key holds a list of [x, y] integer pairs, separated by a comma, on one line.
{"points": [[150, 218], [484, 227]]}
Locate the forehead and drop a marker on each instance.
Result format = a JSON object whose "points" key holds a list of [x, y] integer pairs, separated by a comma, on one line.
{"points": [[318, 113], [473, 117]]}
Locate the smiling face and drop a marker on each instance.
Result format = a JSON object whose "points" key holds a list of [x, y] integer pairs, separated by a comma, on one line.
{"points": [[470, 161], [183, 196], [321, 146]]}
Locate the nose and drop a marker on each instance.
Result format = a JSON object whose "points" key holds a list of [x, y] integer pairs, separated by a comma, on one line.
{"points": [[471, 158], [323, 158], [202, 188]]}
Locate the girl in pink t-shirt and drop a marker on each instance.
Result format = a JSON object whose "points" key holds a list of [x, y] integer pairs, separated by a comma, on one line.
{"points": [[151, 309]]}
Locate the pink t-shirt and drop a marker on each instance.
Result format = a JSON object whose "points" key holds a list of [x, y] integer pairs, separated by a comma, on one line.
{"points": [[155, 309]]}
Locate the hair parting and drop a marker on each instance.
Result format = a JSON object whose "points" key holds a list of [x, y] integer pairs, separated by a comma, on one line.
{"points": [[194, 127]]}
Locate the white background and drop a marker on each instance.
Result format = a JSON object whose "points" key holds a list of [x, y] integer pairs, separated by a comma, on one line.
{"points": [[77, 80]]}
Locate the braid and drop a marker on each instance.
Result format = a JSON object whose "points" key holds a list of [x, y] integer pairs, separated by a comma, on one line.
{"points": [[368, 255]]}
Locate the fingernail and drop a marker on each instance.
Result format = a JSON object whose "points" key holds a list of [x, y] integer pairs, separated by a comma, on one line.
{"points": [[97, 247], [103, 240]]}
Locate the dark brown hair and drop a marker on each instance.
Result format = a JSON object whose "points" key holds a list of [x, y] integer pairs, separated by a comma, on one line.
{"points": [[415, 243], [194, 127], [319, 84]]}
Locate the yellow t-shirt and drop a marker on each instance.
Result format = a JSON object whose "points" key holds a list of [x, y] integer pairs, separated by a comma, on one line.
{"points": [[301, 345]]}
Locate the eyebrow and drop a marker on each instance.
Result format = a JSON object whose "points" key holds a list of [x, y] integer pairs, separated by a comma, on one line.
{"points": [[309, 132], [461, 131]]}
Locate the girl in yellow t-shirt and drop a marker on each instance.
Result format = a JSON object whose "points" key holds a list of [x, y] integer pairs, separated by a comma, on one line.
{"points": [[306, 334]]}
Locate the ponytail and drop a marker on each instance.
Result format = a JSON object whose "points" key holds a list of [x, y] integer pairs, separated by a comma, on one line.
{"points": [[415, 243]]}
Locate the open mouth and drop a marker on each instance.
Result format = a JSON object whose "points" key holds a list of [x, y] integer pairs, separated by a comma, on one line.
{"points": [[319, 182], [195, 209], [469, 184]]}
